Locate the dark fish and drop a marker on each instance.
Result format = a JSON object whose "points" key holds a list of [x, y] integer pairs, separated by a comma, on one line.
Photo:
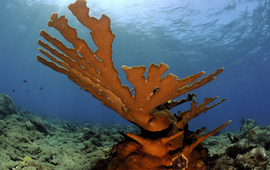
{"points": [[41, 88], [27, 91], [25, 81], [13, 90]]}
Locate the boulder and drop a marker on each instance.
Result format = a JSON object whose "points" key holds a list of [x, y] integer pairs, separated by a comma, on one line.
{"points": [[38, 124], [7, 107]]}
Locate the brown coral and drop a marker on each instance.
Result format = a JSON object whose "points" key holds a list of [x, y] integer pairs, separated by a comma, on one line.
{"points": [[164, 141]]}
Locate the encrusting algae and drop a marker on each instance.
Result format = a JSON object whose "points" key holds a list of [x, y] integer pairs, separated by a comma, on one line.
{"points": [[164, 141]]}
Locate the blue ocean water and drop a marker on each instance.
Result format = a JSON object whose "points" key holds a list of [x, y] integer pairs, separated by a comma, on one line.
{"points": [[190, 36]]}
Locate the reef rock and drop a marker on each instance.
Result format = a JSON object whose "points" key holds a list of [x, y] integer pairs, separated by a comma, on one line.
{"points": [[86, 134], [241, 156], [246, 127], [256, 159], [262, 137], [3, 125], [7, 107], [38, 124], [69, 127], [240, 147]]}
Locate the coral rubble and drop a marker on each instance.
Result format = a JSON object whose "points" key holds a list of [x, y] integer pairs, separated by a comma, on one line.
{"points": [[164, 141]]}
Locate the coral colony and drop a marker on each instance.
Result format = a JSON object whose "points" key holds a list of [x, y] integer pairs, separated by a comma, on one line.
{"points": [[164, 141]]}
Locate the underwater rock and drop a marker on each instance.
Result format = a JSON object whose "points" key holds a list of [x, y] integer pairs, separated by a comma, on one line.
{"points": [[223, 163], [24, 114], [87, 133], [52, 128], [59, 150], [117, 137], [69, 127], [108, 143], [45, 155], [3, 125], [71, 159], [29, 125], [30, 148], [7, 107], [256, 159], [262, 137], [246, 127], [240, 157], [106, 132], [15, 118], [88, 148], [114, 130], [240, 147], [63, 149], [96, 142], [233, 138], [103, 137], [38, 124], [211, 142]]}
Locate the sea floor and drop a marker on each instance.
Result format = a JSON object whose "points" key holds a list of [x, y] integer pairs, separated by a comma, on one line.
{"points": [[55, 144], [32, 142]]}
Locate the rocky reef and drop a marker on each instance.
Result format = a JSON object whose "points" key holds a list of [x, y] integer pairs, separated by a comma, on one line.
{"points": [[28, 141], [66, 145], [250, 151]]}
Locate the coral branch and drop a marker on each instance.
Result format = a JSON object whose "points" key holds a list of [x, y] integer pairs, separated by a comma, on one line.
{"points": [[185, 117], [188, 148], [172, 103], [95, 73], [158, 147]]}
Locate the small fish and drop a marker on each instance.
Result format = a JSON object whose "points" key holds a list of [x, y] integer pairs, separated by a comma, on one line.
{"points": [[13, 90], [27, 91], [25, 81], [41, 88]]}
